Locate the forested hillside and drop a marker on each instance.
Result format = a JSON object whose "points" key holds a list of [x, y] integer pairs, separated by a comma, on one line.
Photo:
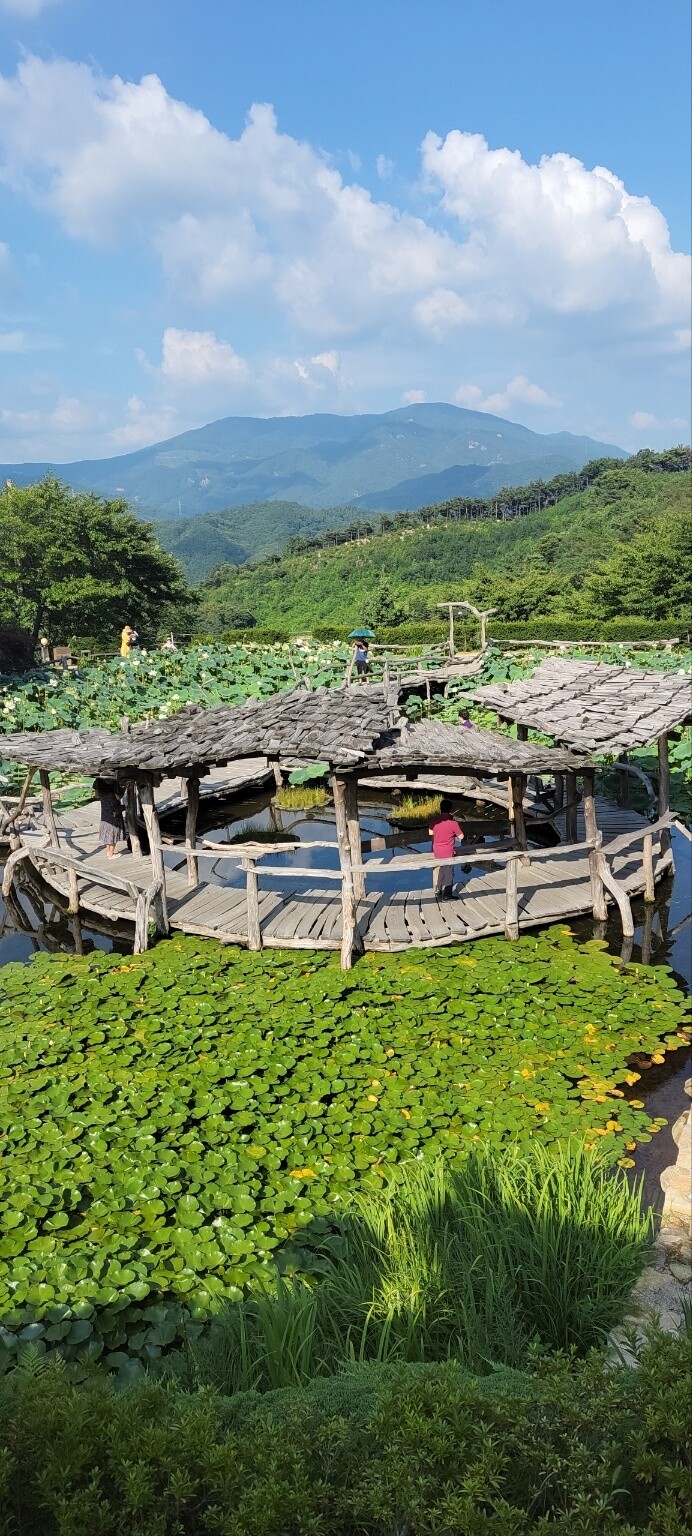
{"points": [[241, 533], [622, 546]]}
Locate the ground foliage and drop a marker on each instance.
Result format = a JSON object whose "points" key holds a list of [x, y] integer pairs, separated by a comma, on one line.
{"points": [[571, 1448], [179, 1118]]}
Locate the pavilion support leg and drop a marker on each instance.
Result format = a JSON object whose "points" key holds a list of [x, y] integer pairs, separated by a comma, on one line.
{"points": [[517, 791], [620, 894], [192, 795], [559, 791], [664, 791], [648, 866], [571, 810], [254, 931], [131, 818], [158, 868], [522, 732], [354, 833], [512, 899], [73, 885], [48, 812], [77, 936], [599, 904], [646, 935], [351, 941]]}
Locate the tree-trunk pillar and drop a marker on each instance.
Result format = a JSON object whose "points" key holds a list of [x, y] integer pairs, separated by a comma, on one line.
{"points": [[48, 812], [354, 834], [158, 868], [664, 788], [559, 791], [599, 905], [192, 794], [351, 942], [571, 810], [517, 791], [131, 818], [522, 732]]}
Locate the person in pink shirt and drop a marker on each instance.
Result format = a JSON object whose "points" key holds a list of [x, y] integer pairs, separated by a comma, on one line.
{"points": [[445, 833]]}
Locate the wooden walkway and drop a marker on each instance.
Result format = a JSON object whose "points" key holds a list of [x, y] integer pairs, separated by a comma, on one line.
{"points": [[306, 914]]}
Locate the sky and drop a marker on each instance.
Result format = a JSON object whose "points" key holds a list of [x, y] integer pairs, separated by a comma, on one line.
{"points": [[271, 207]]}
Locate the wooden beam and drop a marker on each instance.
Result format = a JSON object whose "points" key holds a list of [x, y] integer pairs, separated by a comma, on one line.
{"points": [[354, 834], [559, 791], [517, 783], [351, 941], [158, 868], [192, 808], [131, 818], [48, 812]]}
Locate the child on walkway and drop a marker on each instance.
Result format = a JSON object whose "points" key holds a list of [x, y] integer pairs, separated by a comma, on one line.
{"points": [[445, 833]]}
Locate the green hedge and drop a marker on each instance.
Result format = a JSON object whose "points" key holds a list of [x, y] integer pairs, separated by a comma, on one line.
{"points": [[590, 629], [574, 1449]]}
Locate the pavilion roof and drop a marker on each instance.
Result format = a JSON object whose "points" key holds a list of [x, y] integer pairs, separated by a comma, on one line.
{"points": [[593, 707], [347, 728]]}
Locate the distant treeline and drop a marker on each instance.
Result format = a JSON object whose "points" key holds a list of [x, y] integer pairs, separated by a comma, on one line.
{"points": [[514, 501]]}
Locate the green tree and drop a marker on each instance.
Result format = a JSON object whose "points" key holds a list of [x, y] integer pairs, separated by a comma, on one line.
{"points": [[72, 563], [652, 577], [383, 607]]}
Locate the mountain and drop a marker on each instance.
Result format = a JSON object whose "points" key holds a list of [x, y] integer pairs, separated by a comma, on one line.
{"points": [[620, 546], [370, 462], [243, 533]]}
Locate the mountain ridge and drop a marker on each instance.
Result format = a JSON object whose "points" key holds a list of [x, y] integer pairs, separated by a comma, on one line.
{"points": [[323, 461]]}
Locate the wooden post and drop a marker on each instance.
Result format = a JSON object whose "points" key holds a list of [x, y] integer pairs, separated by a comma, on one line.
{"points": [[77, 936], [192, 792], [158, 868], [589, 805], [559, 791], [512, 900], [522, 732], [254, 931], [648, 863], [131, 818], [664, 788], [517, 783], [571, 811], [48, 812], [354, 834], [73, 886], [351, 941], [452, 651], [646, 935], [599, 904], [620, 894]]}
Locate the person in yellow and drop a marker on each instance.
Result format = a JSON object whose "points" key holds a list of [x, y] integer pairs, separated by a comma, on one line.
{"points": [[126, 640]]}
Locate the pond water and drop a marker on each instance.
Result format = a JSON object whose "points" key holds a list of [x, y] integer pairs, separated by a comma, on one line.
{"points": [[663, 933]]}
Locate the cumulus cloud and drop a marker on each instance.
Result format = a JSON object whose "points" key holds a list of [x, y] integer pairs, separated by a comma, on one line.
{"points": [[644, 421], [27, 8], [143, 425], [517, 393], [414, 397], [198, 357]]}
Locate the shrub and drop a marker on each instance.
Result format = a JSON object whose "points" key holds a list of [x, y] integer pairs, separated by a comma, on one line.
{"points": [[588, 629], [571, 1448]]}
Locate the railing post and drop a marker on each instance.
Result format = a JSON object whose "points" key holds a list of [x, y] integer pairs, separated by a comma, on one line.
{"points": [[599, 905], [351, 941], [254, 931], [648, 863], [512, 900], [73, 886], [571, 810], [620, 894], [48, 812], [131, 818], [158, 867], [192, 794]]}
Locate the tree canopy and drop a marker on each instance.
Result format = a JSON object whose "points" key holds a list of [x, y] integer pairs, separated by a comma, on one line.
{"points": [[73, 563]]}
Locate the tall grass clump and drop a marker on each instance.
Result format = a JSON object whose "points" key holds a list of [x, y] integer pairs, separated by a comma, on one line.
{"points": [[301, 797], [473, 1264], [415, 810]]}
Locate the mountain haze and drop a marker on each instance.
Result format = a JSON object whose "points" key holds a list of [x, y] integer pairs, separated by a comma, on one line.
{"points": [[376, 462]]}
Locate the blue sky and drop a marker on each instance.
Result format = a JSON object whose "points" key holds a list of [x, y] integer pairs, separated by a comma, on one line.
{"points": [[281, 206]]}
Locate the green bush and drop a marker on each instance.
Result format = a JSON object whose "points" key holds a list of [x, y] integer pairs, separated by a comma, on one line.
{"points": [[588, 629], [261, 634], [573, 1448]]}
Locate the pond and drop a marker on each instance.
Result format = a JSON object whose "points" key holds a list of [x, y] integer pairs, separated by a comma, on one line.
{"points": [[663, 933]]}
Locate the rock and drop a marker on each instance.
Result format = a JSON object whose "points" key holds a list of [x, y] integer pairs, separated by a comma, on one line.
{"points": [[685, 1147], [682, 1272], [679, 1126], [687, 1085]]}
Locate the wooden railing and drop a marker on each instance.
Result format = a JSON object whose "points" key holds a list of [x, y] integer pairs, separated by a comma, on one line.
{"points": [[144, 899]]}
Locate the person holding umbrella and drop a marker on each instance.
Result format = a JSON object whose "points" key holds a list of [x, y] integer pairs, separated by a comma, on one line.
{"points": [[360, 638]]}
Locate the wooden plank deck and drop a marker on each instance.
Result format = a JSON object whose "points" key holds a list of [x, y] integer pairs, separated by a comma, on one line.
{"points": [[298, 914]]}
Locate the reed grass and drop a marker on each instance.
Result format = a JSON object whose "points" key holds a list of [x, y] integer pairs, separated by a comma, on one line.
{"points": [[415, 810], [473, 1264], [301, 797]]}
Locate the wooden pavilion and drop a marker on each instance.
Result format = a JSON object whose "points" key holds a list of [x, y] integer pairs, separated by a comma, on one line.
{"points": [[360, 733]]}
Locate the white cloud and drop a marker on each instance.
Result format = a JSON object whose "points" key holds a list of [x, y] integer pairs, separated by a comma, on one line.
{"points": [[143, 425], [14, 341], [440, 311], [198, 357], [384, 167], [414, 397], [27, 8], [517, 393], [642, 419]]}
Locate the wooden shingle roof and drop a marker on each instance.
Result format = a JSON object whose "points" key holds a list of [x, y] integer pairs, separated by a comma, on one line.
{"points": [[593, 707], [344, 727]]}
